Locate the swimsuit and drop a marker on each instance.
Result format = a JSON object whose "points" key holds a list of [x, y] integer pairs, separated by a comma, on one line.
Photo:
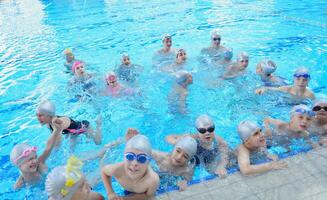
{"points": [[75, 127]]}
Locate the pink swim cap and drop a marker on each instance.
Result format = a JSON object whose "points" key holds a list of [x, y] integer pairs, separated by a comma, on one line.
{"points": [[111, 77], [76, 64]]}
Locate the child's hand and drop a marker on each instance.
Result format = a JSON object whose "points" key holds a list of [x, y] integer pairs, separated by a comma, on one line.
{"points": [[260, 91], [222, 173], [130, 133], [56, 123], [114, 197], [279, 164], [182, 185]]}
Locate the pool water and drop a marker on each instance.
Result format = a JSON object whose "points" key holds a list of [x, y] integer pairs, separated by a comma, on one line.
{"points": [[34, 34]]}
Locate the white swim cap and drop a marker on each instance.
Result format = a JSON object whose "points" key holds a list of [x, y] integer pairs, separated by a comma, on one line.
{"points": [[22, 152], [214, 32], [303, 110], [203, 121], [139, 142], [242, 56], [47, 108], [124, 55], [268, 66], [228, 54], [181, 76], [166, 36], [187, 144], [246, 129], [63, 181], [302, 72]]}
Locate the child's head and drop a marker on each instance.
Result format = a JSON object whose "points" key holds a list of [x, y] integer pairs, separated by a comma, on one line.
{"points": [[69, 55], [111, 79], [184, 150], [68, 183], [184, 78], [181, 56], [301, 116], [251, 135], [167, 40], [320, 109], [45, 111], [301, 77], [137, 156], [24, 157], [206, 128], [266, 67], [78, 68], [215, 38], [243, 59], [125, 59]]}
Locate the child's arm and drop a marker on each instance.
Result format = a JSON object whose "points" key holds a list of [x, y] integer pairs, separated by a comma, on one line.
{"points": [[106, 173], [279, 124], [265, 89], [57, 129], [223, 149], [173, 138], [19, 183]]}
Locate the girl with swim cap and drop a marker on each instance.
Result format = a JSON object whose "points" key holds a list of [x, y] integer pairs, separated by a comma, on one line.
{"points": [[298, 90], [127, 71], [32, 167], [265, 70], [68, 183], [46, 115], [254, 146], [114, 88], [212, 150], [178, 64]]}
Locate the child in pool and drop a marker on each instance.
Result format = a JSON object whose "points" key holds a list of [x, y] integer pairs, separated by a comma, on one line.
{"points": [[216, 50], [165, 55], [298, 125], [319, 123], [212, 150], [68, 183], [265, 70], [179, 62], [82, 78], [238, 68], [32, 167], [179, 93], [134, 174], [70, 59], [254, 146], [114, 88], [299, 88], [127, 71], [46, 116]]}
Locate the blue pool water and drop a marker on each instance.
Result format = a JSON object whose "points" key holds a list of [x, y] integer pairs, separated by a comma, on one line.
{"points": [[34, 33]]}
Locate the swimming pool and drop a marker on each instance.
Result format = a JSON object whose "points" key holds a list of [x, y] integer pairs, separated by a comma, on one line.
{"points": [[34, 34]]}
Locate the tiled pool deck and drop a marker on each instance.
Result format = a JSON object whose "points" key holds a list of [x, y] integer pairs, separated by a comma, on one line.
{"points": [[305, 178]]}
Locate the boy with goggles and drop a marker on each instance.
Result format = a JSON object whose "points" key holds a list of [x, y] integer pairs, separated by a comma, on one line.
{"points": [[253, 147], [301, 117], [32, 167], [134, 174], [212, 150], [299, 88], [216, 51], [319, 123]]}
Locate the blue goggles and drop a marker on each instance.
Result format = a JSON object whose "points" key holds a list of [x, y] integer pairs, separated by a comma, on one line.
{"points": [[310, 113], [302, 75], [140, 158]]}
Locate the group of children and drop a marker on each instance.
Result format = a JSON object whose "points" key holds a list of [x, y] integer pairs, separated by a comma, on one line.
{"points": [[205, 148]]}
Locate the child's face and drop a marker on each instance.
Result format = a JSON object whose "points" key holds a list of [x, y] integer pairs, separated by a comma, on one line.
{"points": [[133, 168], [301, 82], [126, 60], [206, 133], [30, 165], [300, 122], [243, 63], [181, 56], [256, 141], [216, 40], [84, 192], [179, 157], [69, 57], [167, 42], [321, 113], [80, 70], [43, 119]]}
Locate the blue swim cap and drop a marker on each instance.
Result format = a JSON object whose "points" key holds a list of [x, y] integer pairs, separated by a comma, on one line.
{"points": [[228, 54], [302, 110], [268, 66], [181, 76], [302, 72]]}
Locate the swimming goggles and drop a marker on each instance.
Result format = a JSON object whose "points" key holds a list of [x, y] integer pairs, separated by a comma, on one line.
{"points": [[26, 153], [318, 108], [216, 39], [302, 75], [140, 158], [304, 111], [203, 130]]}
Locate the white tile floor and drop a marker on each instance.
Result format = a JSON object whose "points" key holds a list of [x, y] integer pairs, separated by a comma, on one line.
{"points": [[304, 179]]}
